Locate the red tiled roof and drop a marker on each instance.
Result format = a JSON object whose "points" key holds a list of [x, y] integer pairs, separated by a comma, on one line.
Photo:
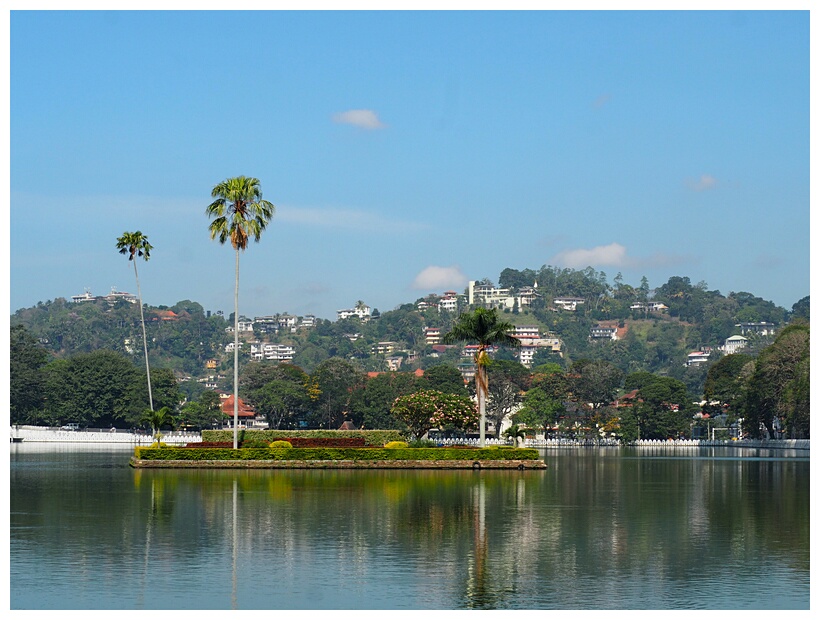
{"points": [[418, 372], [245, 411]]}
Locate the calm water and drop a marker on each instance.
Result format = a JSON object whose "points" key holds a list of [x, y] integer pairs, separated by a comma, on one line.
{"points": [[600, 529]]}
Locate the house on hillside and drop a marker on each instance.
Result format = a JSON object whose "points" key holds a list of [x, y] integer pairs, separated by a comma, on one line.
{"points": [[114, 296], [696, 358], [567, 303], [488, 296], [448, 302], [272, 352], [432, 335], [308, 321], [734, 343], [164, 315], [762, 328], [362, 311], [649, 306]]}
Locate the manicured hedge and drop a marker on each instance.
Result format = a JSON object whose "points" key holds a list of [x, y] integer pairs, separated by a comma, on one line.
{"points": [[371, 438], [335, 454]]}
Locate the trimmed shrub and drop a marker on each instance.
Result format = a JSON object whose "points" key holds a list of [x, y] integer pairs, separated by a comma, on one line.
{"points": [[392, 445], [371, 438], [253, 443], [210, 444], [422, 443], [280, 444]]}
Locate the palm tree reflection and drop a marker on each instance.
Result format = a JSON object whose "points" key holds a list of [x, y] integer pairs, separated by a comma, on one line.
{"points": [[479, 593]]}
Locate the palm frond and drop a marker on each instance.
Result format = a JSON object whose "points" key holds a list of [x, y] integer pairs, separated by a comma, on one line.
{"points": [[239, 210]]}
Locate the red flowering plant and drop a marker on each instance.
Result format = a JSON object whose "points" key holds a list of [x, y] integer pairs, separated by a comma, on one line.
{"points": [[428, 409]]}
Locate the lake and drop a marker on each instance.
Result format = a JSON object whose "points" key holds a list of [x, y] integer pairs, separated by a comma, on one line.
{"points": [[601, 528]]}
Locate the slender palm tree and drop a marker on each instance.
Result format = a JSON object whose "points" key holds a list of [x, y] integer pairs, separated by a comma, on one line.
{"points": [[135, 244], [239, 213], [483, 327], [157, 419]]}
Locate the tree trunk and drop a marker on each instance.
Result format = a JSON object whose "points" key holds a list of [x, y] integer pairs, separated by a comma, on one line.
{"points": [[236, 356], [144, 339], [482, 405]]}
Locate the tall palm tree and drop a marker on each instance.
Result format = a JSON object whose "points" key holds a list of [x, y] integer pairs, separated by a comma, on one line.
{"points": [[483, 327], [239, 213], [135, 244]]}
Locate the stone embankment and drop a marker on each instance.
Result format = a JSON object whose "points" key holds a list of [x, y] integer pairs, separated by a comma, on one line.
{"points": [[341, 464]]}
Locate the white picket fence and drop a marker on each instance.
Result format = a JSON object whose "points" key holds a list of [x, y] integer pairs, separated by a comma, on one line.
{"points": [[55, 435], [541, 442]]}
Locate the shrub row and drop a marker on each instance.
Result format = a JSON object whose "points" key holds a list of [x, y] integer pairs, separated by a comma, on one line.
{"points": [[296, 442], [371, 438], [335, 454]]}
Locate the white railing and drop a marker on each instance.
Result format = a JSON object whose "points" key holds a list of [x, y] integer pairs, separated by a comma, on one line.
{"points": [[138, 438], [541, 442], [790, 444]]}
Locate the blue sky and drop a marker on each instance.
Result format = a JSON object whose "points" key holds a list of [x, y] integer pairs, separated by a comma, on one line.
{"points": [[408, 152]]}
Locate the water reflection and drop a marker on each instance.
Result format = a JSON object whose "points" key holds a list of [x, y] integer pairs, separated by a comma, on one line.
{"points": [[595, 530]]}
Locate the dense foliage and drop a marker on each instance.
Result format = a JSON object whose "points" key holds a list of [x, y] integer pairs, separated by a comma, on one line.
{"points": [[80, 362], [428, 409]]}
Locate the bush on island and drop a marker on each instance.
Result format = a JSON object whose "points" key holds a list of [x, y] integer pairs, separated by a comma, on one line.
{"points": [[280, 445], [392, 445], [254, 443]]}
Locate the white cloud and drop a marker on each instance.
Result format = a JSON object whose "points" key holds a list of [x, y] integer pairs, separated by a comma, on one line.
{"points": [[705, 182], [366, 119], [434, 278], [613, 255], [351, 219]]}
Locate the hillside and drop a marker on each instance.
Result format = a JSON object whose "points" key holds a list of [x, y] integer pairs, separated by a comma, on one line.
{"points": [[612, 322]]}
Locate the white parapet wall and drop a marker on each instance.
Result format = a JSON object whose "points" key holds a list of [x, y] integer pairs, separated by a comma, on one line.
{"points": [[51, 435]]}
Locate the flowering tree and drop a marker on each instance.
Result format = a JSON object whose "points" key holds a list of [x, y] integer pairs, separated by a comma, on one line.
{"points": [[428, 409]]}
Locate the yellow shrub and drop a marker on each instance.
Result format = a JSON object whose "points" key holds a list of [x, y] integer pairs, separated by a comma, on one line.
{"points": [[396, 444], [280, 444]]}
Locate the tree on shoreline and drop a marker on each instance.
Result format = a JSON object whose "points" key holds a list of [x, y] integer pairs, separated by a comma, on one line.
{"points": [[239, 213], [136, 244], [427, 409]]}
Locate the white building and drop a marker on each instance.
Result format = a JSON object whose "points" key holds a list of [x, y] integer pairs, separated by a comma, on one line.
{"points": [[762, 328], [734, 343], [383, 348], [272, 352], [696, 358], [363, 312], [448, 302], [308, 321], [287, 320], [432, 335], [488, 296], [649, 306], [603, 332], [568, 303]]}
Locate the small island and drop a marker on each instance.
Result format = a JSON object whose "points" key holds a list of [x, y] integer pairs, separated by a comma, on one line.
{"points": [[378, 449]]}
